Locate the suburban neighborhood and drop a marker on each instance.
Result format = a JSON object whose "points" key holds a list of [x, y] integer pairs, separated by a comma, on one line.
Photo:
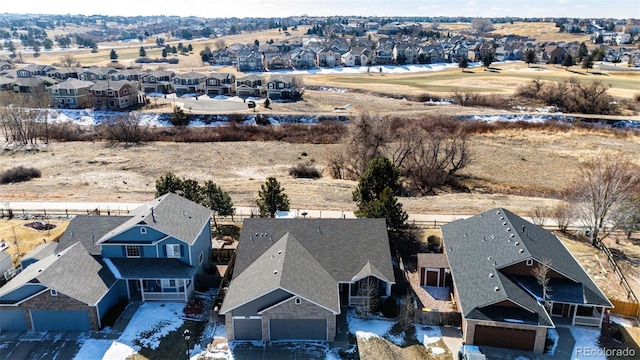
{"points": [[450, 187]]}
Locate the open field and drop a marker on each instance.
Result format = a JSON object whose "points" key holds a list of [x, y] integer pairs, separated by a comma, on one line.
{"points": [[504, 80], [28, 238]]}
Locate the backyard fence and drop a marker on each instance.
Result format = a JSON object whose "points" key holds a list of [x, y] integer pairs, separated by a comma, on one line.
{"points": [[436, 318], [623, 280], [625, 308]]}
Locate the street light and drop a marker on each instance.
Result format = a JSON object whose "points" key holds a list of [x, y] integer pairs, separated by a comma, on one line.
{"points": [[187, 335]]}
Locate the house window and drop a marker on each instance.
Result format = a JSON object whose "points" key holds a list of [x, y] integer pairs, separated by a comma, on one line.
{"points": [[173, 251], [298, 301], [109, 93], [98, 92], [125, 91], [53, 292], [143, 230], [168, 283], [133, 250], [529, 262], [201, 257]]}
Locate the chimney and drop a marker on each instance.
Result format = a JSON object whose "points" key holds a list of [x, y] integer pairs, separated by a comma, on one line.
{"points": [[522, 228]]}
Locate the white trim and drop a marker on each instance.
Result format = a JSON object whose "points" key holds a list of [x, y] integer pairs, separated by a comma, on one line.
{"points": [[283, 301], [240, 317], [510, 300]]}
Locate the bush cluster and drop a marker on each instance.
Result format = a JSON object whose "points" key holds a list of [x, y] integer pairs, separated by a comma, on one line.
{"points": [[19, 174], [305, 170], [145, 60]]}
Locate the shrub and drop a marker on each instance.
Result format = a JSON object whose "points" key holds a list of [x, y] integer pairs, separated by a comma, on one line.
{"points": [[390, 308], [19, 174], [305, 170]]}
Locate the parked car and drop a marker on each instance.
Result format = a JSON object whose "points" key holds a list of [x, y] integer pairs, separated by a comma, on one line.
{"points": [[470, 352]]}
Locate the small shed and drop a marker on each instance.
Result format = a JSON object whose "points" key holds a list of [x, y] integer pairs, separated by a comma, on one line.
{"points": [[434, 268]]}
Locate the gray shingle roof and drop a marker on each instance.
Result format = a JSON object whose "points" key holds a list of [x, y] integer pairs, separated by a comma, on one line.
{"points": [[88, 229], [478, 247], [72, 272], [72, 84], [342, 246], [170, 214], [316, 255], [286, 265], [116, 85], [41, 252], [152, 268]]}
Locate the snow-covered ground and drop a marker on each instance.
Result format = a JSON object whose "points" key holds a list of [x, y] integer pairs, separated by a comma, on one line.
{"points": [[586, 347], [377, 69], [151, 323]]}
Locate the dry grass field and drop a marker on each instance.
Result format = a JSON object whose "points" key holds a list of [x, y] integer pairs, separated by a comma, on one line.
{"points": [[28, 238]]}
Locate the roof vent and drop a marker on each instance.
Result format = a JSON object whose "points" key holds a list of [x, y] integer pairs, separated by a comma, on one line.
{"points": [[517, 243], [501, 217], [489, 258], [490, 275], [275, 272], [508, 229], [496, 289], [493, 236], [484, 238], [504, 223], [522, 228], [279, 252], [521, 251], [498, 212], [512, 235]]}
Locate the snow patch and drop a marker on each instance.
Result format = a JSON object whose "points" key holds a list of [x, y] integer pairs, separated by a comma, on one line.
{"points": [[585, 338], [552, 334]]}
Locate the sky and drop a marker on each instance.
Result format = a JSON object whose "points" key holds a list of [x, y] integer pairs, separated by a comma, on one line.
{"points": [[284, 8]]}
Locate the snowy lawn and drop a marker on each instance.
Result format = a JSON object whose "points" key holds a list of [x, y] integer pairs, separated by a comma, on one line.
{"points": [[586, 346], [149, 325]]}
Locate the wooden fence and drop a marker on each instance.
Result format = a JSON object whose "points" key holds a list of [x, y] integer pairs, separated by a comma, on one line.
{"points": [[436, 318], [623, 280], [625, 308]]}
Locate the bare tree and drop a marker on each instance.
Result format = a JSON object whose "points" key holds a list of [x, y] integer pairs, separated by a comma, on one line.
{"points": [[407, 312], [482, 25], [369, 296], [428, 159], [627, 218], [540, 215], [68, 60], [603, 185], [563, 215], [220, 44], [23, 118], [127, 128], [368, 138], [541, 273]]}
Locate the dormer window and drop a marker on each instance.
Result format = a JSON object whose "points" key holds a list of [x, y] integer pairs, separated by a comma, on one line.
{"points": [[143, 230]]}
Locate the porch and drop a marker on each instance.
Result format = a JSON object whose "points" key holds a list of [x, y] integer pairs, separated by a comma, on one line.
{"points": [[571, 314], [356, 293], [160, 289]]}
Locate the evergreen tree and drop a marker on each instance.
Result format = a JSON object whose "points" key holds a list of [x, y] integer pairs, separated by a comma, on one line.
{"points": [[567, 61], [376, 194], [164, 53], [113, 55], [168, 183], [487, 59], [463, 63], [217, 200], [529, 57], [588, 63], [272, 198], [191, 190], [178, 117], [143, 52], [582, 51]]}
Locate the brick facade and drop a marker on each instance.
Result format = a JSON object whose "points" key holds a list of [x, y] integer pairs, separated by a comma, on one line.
{"points": [[305, 310], [45, 301], [228, 325]]}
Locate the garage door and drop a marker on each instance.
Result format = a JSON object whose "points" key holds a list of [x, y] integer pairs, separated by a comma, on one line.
{"points": [[505, 338], [247, 329], [298, 329], [13, 320], [60, 320]]}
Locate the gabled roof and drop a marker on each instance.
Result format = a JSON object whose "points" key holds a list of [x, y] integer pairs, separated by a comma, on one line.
{"points": [[88, 229], [170, 214], [110, 84], [191, 75], [478, 247], [72, 84], [72, 272], [342, 246], [150, 268], [286, 265], [41, 252]]}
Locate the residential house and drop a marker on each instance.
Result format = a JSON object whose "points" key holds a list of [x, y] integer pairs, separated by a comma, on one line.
{"points": [[189, 83], [276, 61], [220, 84], [431, 54], [95, 73], [328, 57], [382, 55], [153, 253], [292, 277], [158, 82], [283, 87], [127, 74], [34, 70], [303, 58], [250, 85], [71, 94], [64, 73], [349, 58], [249, 60], [492, 257], [4, 65], [115, 95], [221, 57], [32, 84], [404, 54]]}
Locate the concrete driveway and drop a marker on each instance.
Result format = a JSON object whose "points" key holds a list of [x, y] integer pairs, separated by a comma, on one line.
{"points": [[301, 350], [39, 345], [564, 349]]}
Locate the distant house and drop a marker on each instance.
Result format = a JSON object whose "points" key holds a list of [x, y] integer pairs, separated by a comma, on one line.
{"points": [[249, 60], [220, 84], [250, 85], [95, 73], [158, 81], [283, 87], [292, 276], [189, 83], [32, 84], [71, 94], [64, 73], [152, 254], [491, 258], [115, 95], [303, 58], [329, 57]]}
